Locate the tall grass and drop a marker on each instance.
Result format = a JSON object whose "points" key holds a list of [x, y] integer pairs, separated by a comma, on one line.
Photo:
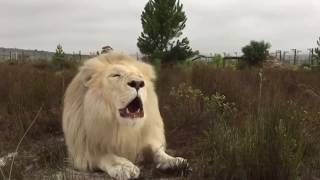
{"points": [[272, 145], [23, 90]]}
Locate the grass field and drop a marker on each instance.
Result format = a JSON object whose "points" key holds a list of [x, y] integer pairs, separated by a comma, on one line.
{"points": [[230, 124]]}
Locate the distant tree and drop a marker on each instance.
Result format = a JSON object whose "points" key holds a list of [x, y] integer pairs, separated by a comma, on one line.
{"points": [[163, 22], [255, 53], [59, 57], [317, 52], [106, 49]]}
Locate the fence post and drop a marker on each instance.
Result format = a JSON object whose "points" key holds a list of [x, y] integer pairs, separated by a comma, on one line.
{"points": [[311, 50], [22, 57], [280, 55], [294, 56], [224, 60], [318, 63], [284, 56]]}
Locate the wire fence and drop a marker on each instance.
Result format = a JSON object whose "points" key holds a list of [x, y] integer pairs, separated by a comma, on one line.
{"points": [[293, 57], [21, 55], [296, 57]]}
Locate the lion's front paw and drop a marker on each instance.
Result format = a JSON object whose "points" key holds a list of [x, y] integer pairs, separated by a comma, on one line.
{"points": [[173, 163], [124, 171]]}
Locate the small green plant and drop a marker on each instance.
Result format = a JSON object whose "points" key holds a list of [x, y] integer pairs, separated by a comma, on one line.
{"points": [[190, 105], [217, 60], [59, 57], [187, 103]]}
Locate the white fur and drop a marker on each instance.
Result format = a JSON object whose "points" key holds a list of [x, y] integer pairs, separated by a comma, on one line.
{"points": [[96, 136]]}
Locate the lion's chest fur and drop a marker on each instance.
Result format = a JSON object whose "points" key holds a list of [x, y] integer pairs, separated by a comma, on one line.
{"points": [[123, 141]]}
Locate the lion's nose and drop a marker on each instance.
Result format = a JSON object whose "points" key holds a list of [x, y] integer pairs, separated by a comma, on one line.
{"points": [[136, 84]]}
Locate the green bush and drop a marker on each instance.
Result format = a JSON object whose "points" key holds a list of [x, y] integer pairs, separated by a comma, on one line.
{"points": [[188, 104], [255, 53], [217, 60]]}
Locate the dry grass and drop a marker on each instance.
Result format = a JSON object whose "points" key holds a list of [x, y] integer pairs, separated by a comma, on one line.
{"points": [[194, 118], [264, 127], [23, 90]]}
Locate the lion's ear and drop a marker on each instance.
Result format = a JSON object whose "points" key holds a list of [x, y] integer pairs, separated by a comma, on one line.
{"points": [[148, 71], [86, 75], [88, 70]]}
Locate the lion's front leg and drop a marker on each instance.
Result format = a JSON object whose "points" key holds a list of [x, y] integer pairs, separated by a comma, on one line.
{"points": [[166, 162], [118, 167]]}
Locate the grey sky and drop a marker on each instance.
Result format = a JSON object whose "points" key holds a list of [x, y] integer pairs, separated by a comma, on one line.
{"points": [[213, 25]]}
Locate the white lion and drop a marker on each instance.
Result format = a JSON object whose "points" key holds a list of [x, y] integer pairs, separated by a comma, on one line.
{"points": [[111, 116]]}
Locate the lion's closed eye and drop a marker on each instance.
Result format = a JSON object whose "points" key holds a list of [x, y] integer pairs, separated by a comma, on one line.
{"points": [[115, 75]]}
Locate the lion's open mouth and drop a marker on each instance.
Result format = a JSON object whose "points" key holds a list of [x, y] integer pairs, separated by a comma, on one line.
{"points": [[133, 110]]}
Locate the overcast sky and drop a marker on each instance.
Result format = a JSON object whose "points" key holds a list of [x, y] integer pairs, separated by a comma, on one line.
{"points": [[213, 26]]}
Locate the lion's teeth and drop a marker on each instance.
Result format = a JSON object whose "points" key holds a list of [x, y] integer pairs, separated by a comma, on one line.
{"points": [[127, 111], [138, 110]]}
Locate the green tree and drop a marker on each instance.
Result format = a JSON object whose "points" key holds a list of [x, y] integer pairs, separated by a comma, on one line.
{"points": [[59, 57], [162, 23], [255, 53], [317, 52]]}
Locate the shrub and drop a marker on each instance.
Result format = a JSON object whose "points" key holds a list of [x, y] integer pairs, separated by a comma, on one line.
{"points": [[217, 60], [255, 53], [188, 104]]}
